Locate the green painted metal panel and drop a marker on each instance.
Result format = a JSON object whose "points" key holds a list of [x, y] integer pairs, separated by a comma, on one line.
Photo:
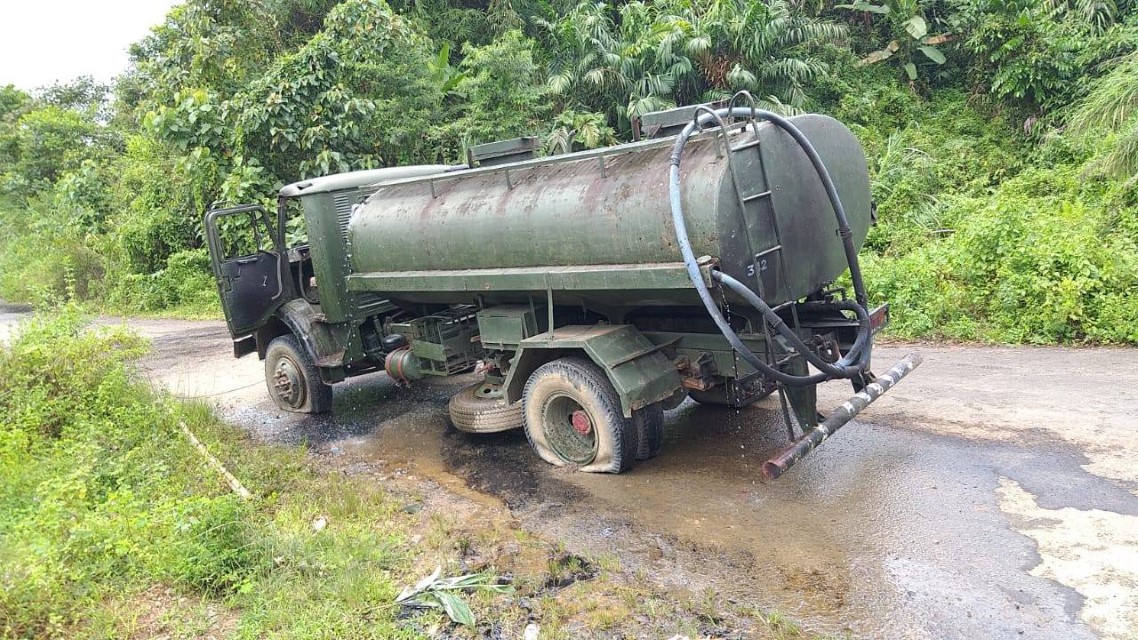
{"points": [[429, 350], [328, 203], [640, 373], [504, 326], [605, 277], [727, 363], [329, 255], [510, 229]]}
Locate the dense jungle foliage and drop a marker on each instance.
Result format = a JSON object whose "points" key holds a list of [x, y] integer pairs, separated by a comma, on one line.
{"points": [[1002, 134]]}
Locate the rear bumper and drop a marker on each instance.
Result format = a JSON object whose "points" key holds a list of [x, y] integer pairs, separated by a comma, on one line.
{"points": [[798, 449]]}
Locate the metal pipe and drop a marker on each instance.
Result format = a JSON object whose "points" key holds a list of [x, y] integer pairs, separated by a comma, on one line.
{"points": [[810, 440]]}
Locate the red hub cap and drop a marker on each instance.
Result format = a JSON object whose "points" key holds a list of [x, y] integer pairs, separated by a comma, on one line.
{"points": [[581, 422]]}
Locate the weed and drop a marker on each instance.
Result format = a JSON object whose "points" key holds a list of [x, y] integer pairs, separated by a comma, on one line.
{"points": [[112, 525]]}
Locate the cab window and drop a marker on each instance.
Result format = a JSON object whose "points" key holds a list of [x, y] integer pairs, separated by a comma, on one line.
{"points": [[243, 235]]}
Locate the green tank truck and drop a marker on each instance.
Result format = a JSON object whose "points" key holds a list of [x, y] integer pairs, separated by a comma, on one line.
{"points": [[592, 290]]}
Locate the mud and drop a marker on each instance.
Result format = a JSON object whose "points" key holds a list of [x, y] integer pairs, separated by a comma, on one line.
{"points": [[992, 494], [886, 532]]}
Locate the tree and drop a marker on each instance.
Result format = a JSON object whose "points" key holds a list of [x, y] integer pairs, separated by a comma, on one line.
{"points": [[649, 56], [763, 47], [909, 32], [502, 92], [1039, 54], [358, 94]]}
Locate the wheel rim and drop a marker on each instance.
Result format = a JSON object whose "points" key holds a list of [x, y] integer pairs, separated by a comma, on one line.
{"points": [[569, 429], [288, 382], [488, 391]]}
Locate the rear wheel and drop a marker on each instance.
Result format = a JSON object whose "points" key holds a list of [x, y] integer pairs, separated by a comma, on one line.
{"points": [[573, 418], [292, 378], [715, 396], [649, 425], [481, 408]]}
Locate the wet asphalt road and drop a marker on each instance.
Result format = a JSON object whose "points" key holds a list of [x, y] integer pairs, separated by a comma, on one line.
{"points": [[992, 494]]}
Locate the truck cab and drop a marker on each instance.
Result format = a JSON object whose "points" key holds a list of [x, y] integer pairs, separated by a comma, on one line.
{"points": [[280, 277]]}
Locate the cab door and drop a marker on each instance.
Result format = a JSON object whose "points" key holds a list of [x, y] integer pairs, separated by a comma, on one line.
{"points": [[245, 253]]}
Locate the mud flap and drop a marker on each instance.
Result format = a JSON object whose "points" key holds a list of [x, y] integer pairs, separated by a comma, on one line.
{"points": [[324, 342], [638, 370]]}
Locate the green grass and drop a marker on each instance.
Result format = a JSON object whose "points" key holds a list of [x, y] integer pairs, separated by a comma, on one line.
{"points": [[112, 525], [103, 496]]}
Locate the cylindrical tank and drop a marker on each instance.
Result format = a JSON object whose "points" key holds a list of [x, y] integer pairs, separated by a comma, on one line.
{"points": [[777, 231]]}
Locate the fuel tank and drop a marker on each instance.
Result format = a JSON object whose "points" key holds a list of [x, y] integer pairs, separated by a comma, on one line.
{"points": [[598, 224]]}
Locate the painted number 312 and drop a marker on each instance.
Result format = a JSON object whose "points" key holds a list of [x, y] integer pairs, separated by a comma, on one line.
{"points": [[751, 267]]}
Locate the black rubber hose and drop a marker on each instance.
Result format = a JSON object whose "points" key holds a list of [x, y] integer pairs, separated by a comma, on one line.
{"points": [[725, 328], [847, 367], [853, 363]]}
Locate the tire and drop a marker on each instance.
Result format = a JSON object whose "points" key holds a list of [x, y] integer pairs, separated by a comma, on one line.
{"points": [[477, 409], [649, 425], [562, 399], [715, 397], [292, 378]]}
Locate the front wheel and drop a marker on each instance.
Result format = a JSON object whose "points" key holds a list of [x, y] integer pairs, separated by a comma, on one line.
{"points": [[292, 378], [573, 418]]}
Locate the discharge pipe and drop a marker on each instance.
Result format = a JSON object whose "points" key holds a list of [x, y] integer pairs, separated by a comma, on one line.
{"points": [[810, 440]]}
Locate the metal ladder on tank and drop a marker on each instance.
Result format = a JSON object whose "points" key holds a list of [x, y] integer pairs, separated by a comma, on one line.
{"points": [[752, 203]]}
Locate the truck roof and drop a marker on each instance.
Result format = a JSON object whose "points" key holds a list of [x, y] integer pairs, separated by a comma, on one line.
{"points": [[355, 179]]}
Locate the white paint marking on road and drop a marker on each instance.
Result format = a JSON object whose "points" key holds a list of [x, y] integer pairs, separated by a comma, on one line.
{"points": [[1094, 552]]}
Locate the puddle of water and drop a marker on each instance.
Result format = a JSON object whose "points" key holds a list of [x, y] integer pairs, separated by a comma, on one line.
{"points": [[881, 533]]}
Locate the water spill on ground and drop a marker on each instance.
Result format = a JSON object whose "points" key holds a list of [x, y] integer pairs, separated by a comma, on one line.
{"points": [[884, 532]]}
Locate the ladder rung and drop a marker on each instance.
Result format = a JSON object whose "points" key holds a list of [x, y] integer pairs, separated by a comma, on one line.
{"points": [[764, 194], [777, 247], [750, 144]]}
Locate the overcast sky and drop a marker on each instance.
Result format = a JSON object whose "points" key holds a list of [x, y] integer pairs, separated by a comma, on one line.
{"points": [[44, 41]]}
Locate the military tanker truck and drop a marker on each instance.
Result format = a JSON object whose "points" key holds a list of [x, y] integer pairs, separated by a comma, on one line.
{"points": [[591, 291]]}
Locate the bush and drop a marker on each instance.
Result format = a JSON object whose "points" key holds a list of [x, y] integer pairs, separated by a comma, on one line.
{"points": [[43, 258], [1036, 262], [185, 285], [103, 501], [98, 487]]}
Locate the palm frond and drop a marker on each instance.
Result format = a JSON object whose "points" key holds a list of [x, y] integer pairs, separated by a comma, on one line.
{"points": [[1112, 101]]}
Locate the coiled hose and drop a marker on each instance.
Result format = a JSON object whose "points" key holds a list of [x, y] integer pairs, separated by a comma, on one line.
{"points": [[853, 363]]}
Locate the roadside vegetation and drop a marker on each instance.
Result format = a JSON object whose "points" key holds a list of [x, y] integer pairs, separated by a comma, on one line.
{"points": [[1002, 134], [112, 525]]}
